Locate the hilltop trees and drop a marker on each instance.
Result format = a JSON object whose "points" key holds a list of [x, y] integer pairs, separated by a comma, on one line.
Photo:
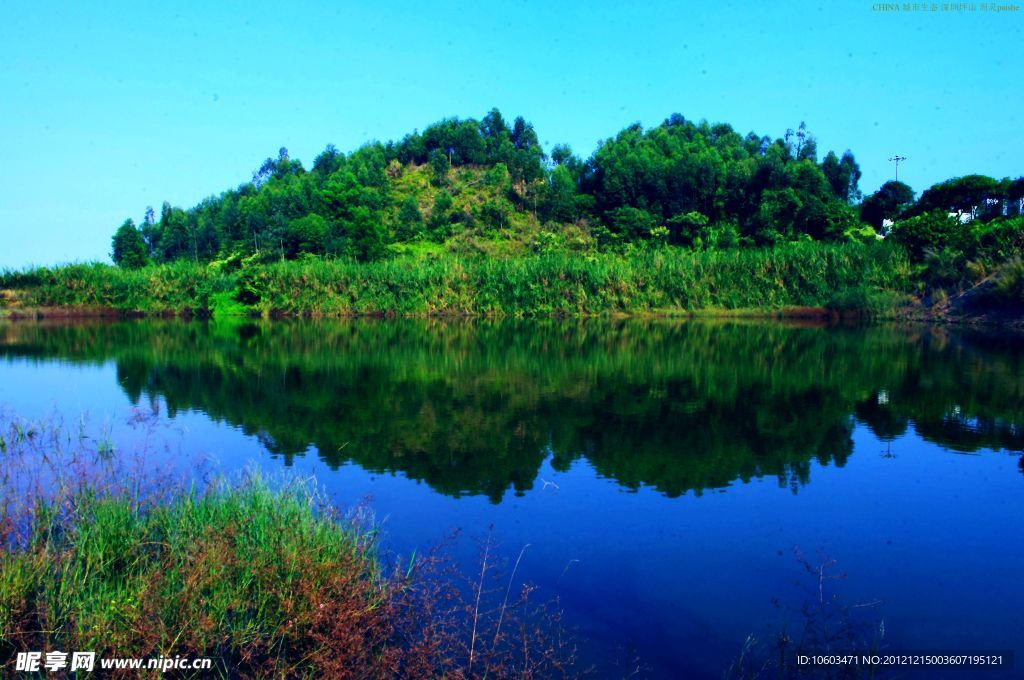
{"points": [[976, 195], [964, 232], [973, 216], [770, 190], [843, 175], [346, 205], [686, 183]]}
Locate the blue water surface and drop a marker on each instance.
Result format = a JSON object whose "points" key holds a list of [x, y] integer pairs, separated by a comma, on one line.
{"points": [[674, 485]]}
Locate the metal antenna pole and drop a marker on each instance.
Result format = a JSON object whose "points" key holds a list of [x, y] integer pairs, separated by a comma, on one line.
{"points": [[896, 160]]}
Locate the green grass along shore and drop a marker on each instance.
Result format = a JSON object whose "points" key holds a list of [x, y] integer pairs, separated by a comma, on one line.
{"points": [[868, 278]]}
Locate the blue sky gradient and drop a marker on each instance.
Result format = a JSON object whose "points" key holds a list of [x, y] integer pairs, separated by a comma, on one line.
{"points": [[109, 109]]}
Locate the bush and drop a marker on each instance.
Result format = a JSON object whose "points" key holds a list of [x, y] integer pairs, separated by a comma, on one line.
{"points": [[931, 231]]}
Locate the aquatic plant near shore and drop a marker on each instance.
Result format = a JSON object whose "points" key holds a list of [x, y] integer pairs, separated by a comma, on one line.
{"points": [[263, 577]]}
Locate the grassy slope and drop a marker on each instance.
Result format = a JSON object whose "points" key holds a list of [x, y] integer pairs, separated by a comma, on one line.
{"points": [[471, 188]]}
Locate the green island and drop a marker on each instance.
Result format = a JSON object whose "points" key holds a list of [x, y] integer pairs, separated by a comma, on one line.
{"points": [[472, 217]]}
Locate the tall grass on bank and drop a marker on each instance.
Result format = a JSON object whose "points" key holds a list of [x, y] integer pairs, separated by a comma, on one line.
{"points": [[265, 579], [669, 279], [182, 286]]}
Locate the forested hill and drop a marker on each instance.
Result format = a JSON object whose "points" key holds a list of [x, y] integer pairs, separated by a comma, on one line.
{"points": [[467, 185], [486, 180]]}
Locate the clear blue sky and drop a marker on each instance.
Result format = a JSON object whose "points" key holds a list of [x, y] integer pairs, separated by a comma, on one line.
{"points": [[109, 107]]}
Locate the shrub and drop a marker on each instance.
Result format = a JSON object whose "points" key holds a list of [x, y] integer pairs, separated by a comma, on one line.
{"points": [[866, 300], [931, 231]]}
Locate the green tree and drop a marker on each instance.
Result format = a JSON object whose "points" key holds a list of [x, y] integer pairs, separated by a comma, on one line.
{"points": [[306, 234], [440, 215], [777, 217], [494, 213], [496, 134], [526, 163], [632, 222], [562, 156], [498, 178], [410, 220], [932, 231], [888, 203], [329, 160], [150, 232], [367, 235], [843, 175], [440, 165], [684, 227], [561, 199], [973, 194], [175, 239], [129, 248]]}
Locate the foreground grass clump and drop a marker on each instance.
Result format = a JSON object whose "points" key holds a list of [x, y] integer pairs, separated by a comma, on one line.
{"points": [[266, 580], [806, 274], [249, 576]]}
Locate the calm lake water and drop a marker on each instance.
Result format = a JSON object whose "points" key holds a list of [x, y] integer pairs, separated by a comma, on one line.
{"points": [[665, 475]]}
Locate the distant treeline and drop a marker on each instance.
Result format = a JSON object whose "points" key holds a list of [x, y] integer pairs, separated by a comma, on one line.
{"points": [[467, 182]]}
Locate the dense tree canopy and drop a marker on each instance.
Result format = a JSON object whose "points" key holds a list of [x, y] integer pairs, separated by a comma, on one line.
{"points": [[694, 184]]}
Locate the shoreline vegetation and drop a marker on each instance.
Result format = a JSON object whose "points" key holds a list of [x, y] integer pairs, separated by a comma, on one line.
{"points": [[263, 577], [797, 279], [800, 280]]}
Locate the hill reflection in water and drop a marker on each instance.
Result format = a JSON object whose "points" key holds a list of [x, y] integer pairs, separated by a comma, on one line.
{"points": [[476, 407]]}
